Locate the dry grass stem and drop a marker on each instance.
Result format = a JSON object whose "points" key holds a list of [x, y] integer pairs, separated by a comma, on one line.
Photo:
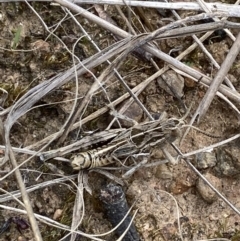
{"points": [[78, 209], [230, 9], [17, 194], [222, 72]]}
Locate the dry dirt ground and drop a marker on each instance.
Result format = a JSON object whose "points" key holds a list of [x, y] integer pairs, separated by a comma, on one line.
{"points": [[160, 191]]}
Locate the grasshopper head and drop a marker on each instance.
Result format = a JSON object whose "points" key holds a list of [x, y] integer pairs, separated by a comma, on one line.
{"points": [[80, 162]]}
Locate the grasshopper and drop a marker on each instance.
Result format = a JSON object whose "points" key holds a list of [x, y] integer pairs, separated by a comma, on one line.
{"points": [[131, 141]]}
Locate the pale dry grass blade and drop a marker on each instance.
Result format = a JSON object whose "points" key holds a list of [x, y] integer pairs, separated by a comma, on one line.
{"points": [[108, 175], [213, 239], [25, 197], [201, 45], [195, 74], [81, 106], [78, 209], [177, 213], [227, 64], [228, 82], [51, 222], [83, 143], [208, 10], [11, 119], [17, 194], [211, 147], [234, 11]]}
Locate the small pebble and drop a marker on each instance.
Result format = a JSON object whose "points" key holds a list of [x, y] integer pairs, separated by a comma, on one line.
{"points": [[205, 191], [174, 81], [213, 217], [205, 159], [227, 164], [57, 214], [20, 238]]}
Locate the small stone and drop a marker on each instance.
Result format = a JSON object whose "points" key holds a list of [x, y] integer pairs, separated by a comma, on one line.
{"points": [[172, 83], [213, 217], [205, 160], [227, 163], [178, 188], [57, 214], [21, 238], [205, 191], [181, 185]]}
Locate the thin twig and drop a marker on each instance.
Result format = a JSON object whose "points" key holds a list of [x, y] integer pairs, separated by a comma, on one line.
{"points": [[213, 88]]}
